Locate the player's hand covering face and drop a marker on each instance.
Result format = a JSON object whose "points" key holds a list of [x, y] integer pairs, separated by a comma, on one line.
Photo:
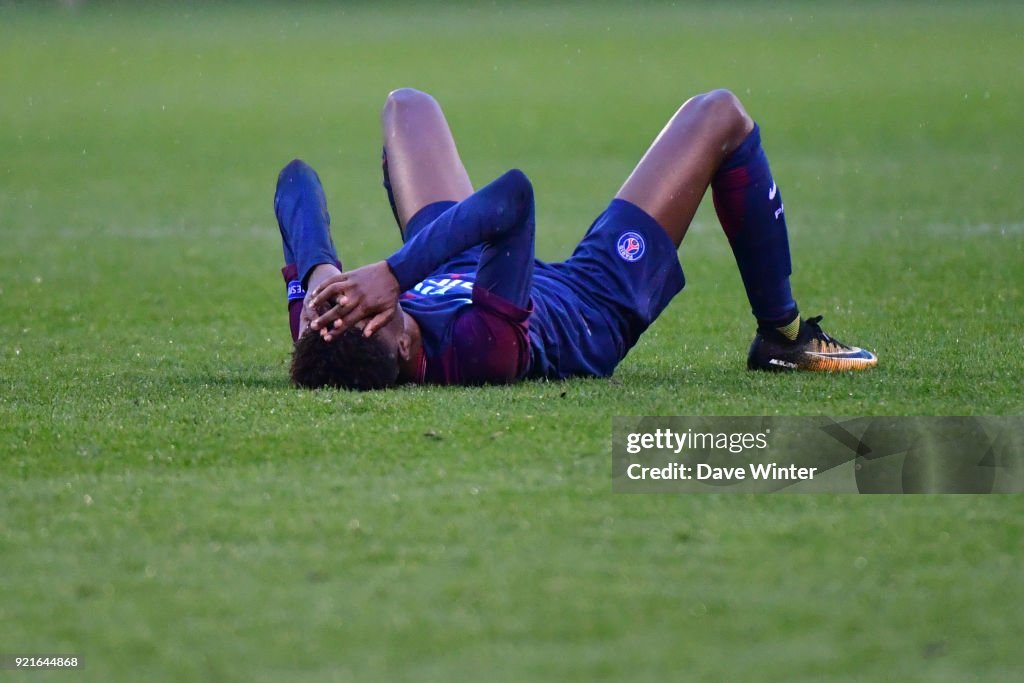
{"points": [[368, 294]]}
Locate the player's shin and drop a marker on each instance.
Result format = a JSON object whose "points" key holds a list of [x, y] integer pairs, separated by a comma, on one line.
{"points": [[749, 207]]}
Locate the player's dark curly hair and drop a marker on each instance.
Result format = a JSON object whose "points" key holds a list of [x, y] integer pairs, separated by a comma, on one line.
{"points": [[349, 361]]}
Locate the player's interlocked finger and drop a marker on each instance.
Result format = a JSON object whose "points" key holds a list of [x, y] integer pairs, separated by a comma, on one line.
{"points": [[352, 315], [342, 316], [326, 294], [340, 305], [378, 321], [367, 294], [331, 286]]}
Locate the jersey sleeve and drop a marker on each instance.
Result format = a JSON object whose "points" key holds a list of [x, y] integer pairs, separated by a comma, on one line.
{"points": [[499, 216]]}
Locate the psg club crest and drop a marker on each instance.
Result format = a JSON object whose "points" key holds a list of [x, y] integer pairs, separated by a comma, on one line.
{"points": [[631, 246]]}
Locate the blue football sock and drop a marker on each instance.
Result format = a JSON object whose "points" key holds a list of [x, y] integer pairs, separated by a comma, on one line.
{"points": [[301, 210], [749, 207]]}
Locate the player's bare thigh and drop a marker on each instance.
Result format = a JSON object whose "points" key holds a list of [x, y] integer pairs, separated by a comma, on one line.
{"points": [[423, 162], [671, 178]]}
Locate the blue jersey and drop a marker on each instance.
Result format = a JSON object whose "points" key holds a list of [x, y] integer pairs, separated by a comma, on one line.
{"points": [[489, 312]]}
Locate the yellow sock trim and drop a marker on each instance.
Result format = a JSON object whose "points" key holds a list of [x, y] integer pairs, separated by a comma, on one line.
{"points": [[791, 330]]}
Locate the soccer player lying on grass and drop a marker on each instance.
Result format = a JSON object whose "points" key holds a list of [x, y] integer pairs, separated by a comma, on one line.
{"points": [[465, 302]]}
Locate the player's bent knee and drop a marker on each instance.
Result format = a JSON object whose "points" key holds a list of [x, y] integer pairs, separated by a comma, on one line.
{"points": [[405, 100], [722, 97], [724, 106], [724, 112]]}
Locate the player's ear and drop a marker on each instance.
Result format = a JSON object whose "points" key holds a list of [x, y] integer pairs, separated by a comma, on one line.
{"points": [[404, 346]]}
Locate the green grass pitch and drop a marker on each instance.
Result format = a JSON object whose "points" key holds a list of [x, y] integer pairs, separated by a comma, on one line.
{"points": [[170, 509]]}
